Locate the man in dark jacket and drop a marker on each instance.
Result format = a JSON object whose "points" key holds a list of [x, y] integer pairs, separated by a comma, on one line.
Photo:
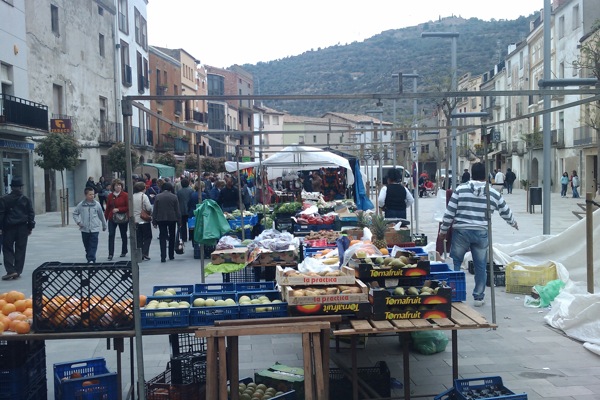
{"points": [[17, 220], [510, 179], [183, 195], [229, 197], [165, 215], [466, 176]]}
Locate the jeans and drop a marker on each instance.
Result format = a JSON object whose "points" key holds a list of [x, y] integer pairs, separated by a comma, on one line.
{"points": [[475, 240], [509, 187], [575, 193], [112, 229], [144, 237], [563, 191], [90, 243], [183, 228], [15, 246], [166, 234], [395, 214]]}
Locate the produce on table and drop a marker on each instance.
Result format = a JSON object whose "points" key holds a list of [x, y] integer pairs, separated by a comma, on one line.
{"points": [[15, 312], [288, 208], [325, 290], [330, 235], [378, 227]]}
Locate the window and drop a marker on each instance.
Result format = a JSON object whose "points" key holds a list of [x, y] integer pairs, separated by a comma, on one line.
{"points": [[266, 120], [561, 27], [100, 10], [216, 85], [576, 20], [6, 79], [141, 36], [509, 66], [314, 138], [561, 70], [341, 138], [57, 99], [126, 76], [103, 114], [54, 19], [123, 16], [300, 139], [521, 60], [101, 44], [275, 119]]}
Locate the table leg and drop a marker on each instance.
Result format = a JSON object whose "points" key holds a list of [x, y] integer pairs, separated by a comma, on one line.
{"points": [[454, 354], [119, 345], [317, 356], [353, 356], [308, 367], [211, 368], [222, 368], [131, 367], [405, 336], [234, 372], [325, 358]]}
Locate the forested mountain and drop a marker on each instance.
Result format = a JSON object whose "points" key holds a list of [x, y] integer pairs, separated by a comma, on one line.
{"points": [[367, 67]]}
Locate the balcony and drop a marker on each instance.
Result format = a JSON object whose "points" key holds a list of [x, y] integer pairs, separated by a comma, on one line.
{"points": [[17, 111], [584, 136], [504, 148], [149, 137], [558, 138], [200, 117], [518, 147], [109, 133], [178, 108], [181, 145]]}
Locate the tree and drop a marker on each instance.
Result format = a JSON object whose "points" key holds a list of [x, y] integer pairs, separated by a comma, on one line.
{"points": [[58, 151], [588, 64], [167, 158], [211, 164], [191, 162], [116, 158]]}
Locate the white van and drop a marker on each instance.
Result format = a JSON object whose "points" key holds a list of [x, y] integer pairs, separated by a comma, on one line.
{"points": [[371, 173]]}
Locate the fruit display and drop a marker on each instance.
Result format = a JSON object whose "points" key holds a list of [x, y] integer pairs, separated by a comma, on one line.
{"points": [[329, 235], [290, 276], [378, 228], [16, 312], [253, 391]]}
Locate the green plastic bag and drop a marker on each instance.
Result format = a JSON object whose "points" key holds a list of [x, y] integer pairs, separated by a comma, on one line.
{"points": [[429, 342], [549, 292]]}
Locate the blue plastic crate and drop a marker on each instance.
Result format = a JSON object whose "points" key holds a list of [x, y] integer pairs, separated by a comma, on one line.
{"points": [[24, 373], [242, 287], [216, 288], [158, 318], [419, 252], [247, 234], [236, 223], [168, 299], [263, 310], [455, 279], [179, 289], [450, 394], [491, 383], [103, 386], [208, 315], [311, 228]]}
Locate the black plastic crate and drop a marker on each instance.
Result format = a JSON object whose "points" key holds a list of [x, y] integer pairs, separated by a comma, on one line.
{"points": [[377, 377], [186, 343], [82, 297], [188, 368], [497, 267], [22, 370], [247, 274], [161, 387]]}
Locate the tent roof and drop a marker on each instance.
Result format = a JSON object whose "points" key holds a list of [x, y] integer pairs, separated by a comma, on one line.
{"points": [[305, 158], [231, 166], [161, 169]]}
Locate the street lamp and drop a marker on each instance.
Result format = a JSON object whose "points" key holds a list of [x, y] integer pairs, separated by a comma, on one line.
{"points": [[454, 85], [380, 112]]}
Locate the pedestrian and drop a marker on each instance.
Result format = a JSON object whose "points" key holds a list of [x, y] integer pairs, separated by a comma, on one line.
{"points": [[183, 195], [147, 180], [165, 216], [213, 194], [89, 217], [193, 201], [395, 198], [117, 215], [248, 194], [229, 197], [102, 190], [153, 190], [91, 184], [143, 228], [317, 182], [510, 180], [575, 184], [499, 181], [564, 183], [17, 220], [466, 176], [467, 213]]}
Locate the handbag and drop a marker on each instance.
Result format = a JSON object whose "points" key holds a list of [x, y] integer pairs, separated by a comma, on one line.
{"points": [[179, 247], [144, 214], [120, 218]]}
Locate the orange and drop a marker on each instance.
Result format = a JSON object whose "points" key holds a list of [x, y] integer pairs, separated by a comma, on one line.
{"points": [[142, 300], [17, 316], [8, 308], [21, 327], [2, 303], [13, 296], [29, 303], [20, 305], [1, 327], [28, 312], [384, 251]]}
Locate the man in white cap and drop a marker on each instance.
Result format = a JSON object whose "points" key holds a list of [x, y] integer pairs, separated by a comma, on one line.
{"points": [[17, 220]]}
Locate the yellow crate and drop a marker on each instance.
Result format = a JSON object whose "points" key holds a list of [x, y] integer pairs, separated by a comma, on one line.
{"points": [[521, 278]]}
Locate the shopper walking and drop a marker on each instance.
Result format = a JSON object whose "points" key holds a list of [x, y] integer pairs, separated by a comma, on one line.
{"points": [[90, 219], [102, 188], [229, 197], [183, 195], [117, 215], [499, 181], [466, 176], [575, 184], [510, 180], [467, 213], [17, 220], [564, 183], [165, 216], [395, 198], [143, 228]]}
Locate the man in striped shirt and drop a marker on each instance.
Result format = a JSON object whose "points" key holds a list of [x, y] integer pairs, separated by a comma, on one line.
{"points": [[467, 213]]}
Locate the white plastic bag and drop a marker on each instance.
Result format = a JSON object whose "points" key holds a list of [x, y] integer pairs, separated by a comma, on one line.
{"points": [[440, 206]]}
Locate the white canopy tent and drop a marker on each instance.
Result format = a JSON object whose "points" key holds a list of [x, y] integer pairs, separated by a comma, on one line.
{"points": [[300, 158], [231, 166]]}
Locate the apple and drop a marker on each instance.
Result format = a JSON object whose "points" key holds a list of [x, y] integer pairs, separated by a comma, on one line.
{"points": [[199, 302]]}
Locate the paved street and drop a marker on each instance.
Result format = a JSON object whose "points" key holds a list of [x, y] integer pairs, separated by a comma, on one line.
{"points": [[528, 354]]}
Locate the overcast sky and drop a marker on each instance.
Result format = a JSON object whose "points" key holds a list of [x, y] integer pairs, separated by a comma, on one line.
{"points": [[238, 32]]}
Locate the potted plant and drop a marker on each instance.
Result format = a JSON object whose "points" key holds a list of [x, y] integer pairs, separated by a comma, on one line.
{"points": [[524, 183]]}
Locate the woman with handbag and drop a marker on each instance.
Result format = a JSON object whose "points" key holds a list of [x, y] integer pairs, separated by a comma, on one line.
{"points": [[117, 215], [142, 216]]}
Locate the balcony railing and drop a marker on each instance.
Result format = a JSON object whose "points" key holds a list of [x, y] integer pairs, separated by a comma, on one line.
{"points": [[19, 111], [111, 133], [181, 146], [178, 108], [584, 136], [558, 137], [149, 137], [200, 117]]}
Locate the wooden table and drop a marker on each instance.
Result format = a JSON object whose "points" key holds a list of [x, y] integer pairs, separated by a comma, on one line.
{"points": [[463, 317]]}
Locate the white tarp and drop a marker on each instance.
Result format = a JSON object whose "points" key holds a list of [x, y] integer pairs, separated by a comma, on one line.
{"points": [[299, 158], [231, 166]]}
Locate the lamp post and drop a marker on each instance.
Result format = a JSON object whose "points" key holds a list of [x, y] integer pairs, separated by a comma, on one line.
{"points": [[454, 37], [380, 156]]}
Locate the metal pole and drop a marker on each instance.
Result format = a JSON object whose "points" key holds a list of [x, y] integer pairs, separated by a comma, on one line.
{"points": [[454, 88], [239, 185], [127, 111], [489, 225], [547, 139], [415, 137], [589, 240]]}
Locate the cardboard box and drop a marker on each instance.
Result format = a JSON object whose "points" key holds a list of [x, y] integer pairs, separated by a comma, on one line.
{"points": [[393, 236], [262, 258], [282, 378], [238, 255], [347, 278], [353, 310], [384, 300], [367, 272], [433, 311], [361, 297]]}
